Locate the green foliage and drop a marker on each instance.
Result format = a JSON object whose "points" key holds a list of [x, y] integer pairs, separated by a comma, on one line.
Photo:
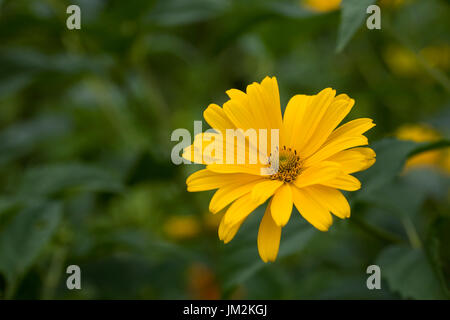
{"points": [[178, 12], [52, 179], [24, 237], [22, 138], [85, 123], [353, 15], [408, 272], [241, 262]]}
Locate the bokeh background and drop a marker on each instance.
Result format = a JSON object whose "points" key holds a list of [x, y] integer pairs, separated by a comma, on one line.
{"points": [[85, 123]]}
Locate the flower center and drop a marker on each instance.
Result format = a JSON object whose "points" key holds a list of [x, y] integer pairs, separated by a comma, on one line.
{"points": [[289, 165]]}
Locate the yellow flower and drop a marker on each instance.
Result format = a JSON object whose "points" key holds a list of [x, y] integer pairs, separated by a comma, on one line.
{"points": [[421, 133], [404, 62], [315, 160], [401, 61], [181, 227], [322, 5]]}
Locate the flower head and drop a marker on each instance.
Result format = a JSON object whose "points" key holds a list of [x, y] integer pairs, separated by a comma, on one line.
{"points": [[313, 160]]}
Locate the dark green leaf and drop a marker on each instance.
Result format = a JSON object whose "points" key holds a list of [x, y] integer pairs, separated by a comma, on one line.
{"points": [[353, 13], [288, 9], [179, 12], [51, 179], [241, 255], [391, 157], [22, 138], [23, 238], [409, 273]]}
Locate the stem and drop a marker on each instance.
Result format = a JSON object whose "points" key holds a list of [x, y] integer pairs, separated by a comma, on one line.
{"points": [[54, 274], [411, 231]]}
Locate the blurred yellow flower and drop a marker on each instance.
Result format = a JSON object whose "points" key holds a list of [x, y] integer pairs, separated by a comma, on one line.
{"points": [[322, 5], [404, 62], [315, 159], [181, 227], [421, 133], [401, 61], [331, 5]]}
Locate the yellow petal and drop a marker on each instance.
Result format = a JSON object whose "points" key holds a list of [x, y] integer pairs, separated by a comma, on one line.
{"points": [[240, 209], [306, 127], [227, 232], [323, 171], [227, 194], [352, 128], [196, 152], [231, 233], [293, 116], [354, 160], [281, 205], [335, 146], [331, 199], [240, 115], [238, 96], [343, 182], [264, 101], [334, 114], [312, 211], [269, 235], [217, 119], [271, 88], [265, 189], [258, 108], [207, 180], [217, 147], [254, 169]]}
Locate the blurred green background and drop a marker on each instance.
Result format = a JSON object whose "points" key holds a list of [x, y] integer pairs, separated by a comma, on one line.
{"points": [[85, 123]]}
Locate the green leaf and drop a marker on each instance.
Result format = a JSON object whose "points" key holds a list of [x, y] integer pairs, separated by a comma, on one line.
{"points": [[51, 179], [244, 16], [23, 238], [409, 273], [353, 13], [397, 197], [439, 250], [401, 195], [12, 84], [35, 61], [430, 146], [22, 138], [7, 204], [241, 258], [287, 9], [406, 194], [391, 157], [180, 12]]}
